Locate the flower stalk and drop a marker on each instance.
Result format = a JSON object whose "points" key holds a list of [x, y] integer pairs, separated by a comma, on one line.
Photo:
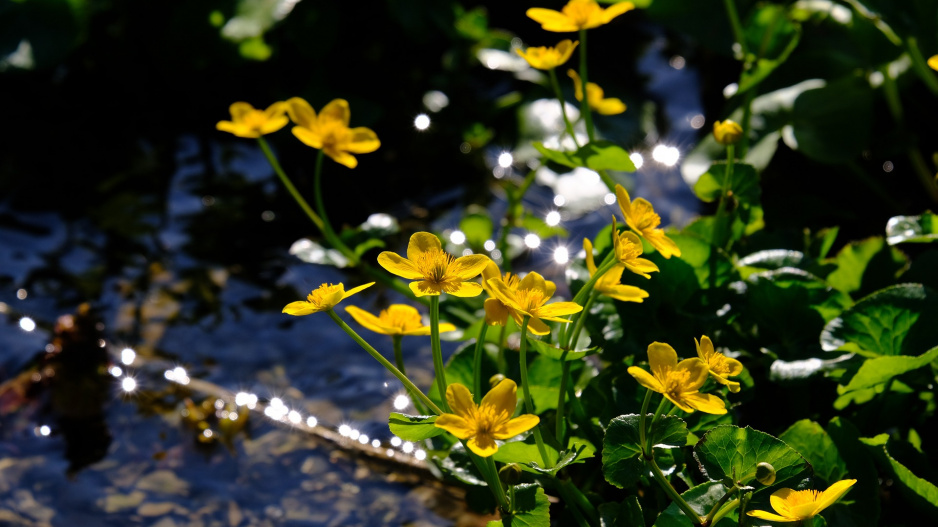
{"points": [[327, 229], [526, 392], [384, 362], [477, 363], [289, 184], [437, 349], [585, 107], [563, 106]]}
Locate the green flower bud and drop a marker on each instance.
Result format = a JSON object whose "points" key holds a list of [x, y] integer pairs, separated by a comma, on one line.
{"points": [[510, 474], [765, 473], [495, 379]]}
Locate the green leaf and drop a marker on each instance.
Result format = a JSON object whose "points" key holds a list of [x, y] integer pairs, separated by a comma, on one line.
{"points": [[566, 457], [522, 452], [478, 227], [897, 320], [701, 499], [879, 370], [372, 243], [924, 494], [541, 228], [603, 155], [622, 447], [912, 229], [812, 442], [533, 508], [866, 493], [413, 427], [744, 184], [730, 451], [563, 158], [866, 266], [558, 353], [626, 514], [833, 124]]}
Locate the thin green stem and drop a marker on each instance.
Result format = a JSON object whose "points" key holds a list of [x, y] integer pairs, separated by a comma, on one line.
{"points": [[669, 490], [738, 32], [437, 350], [581, 317], [581, 295], [562, 399], [576, 502], [526, 392], [720, 237], [728, 508], [398, 354], [719, 504], [920, 65], [328, 231], [642, 418], [496, 485], [384, 362], [563, 105], [287, 183], [585, 107], [477, 363]]}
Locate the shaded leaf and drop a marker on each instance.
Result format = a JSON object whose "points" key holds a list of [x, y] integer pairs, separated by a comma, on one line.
{"points": [[876, 371], [701, 499], [812, 442], [622, 445], [559, 354]]}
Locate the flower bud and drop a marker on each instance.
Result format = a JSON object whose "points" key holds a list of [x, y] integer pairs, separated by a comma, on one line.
{"points": [[510, 474], [495, 379], [727, 132], [765, 473]]}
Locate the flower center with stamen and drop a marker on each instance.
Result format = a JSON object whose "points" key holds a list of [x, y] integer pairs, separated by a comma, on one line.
{"points": [[628, 250], [255, 119], [433, 265], [676, 382], [718, 364], [404, 320], [530, 299], [316, 297], [487, 418], [580, 11]]}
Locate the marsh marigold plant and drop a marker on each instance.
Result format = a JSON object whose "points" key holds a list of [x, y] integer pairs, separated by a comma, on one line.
{"points": [[797, 505], [434, 270], [640, 216], [721, 367], [680, 382], [396, 320], [530, 299], [548, 58], [247, 121], [577, 15], [595, 96], [323, 298]]}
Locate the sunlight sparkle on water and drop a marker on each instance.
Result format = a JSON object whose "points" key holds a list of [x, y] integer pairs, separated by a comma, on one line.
{"points": [[396, 441], [489, 245], [420, 455], [376, 443], [533, 241], [422, 122], [609, 198], [666, 155], [354, 434], [560, 200], [311, 421], [294, 417], [127, 356], [552, 218], [116, 371], [21, 294], [27, 324], [561, 255], [637, 160], [401, 402], [44, 430], [177, 374], [363, 439], [128, 384], [345, 430], [408, 447], [505, 159], [208, 433], [457, 237]]}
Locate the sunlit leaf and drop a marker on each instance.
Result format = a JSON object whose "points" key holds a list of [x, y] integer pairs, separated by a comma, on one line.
{"points": [[909, 229], [866, 266], [559, 354], [532, 508], [701, 499], [477, 227], [413, 427], [879, 370]]}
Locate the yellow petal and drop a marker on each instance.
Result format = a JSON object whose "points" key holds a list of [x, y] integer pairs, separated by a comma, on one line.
{"points": [[762, 515], [590, 263], [331, 298], [240, 110], [455, 425], [779, 502], [625, 204], [491, 271], [468, 267], [354, 290], [237, 129], [704, 348], [558, 309], [538, 327], [646, 379], [551, 20], [625, 293], [680, 402], [425, 288], [460, 400], [662, 243], [505, 295], [274, 124], [577, 85], [336, 110], [615, 10], [804, 510], [397, 265], [483, 445], [502, 399], [463, 289], [362, 141], [340, 156], [641, 266], [516, 426], [706, 403], [370, 322], [661, 358], [300, 308], [610, 106], [732, 385], [833, 493], [534, 281], [301, 113], [444, 327], [420, 243], [307, 136], [697, 373], [496, 313], [933, 62]]}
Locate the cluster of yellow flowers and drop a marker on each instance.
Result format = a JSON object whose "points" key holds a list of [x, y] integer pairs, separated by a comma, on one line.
{"points": [[328, 131]]}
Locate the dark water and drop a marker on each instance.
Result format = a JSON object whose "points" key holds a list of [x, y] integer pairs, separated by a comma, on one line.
{"points": [[194, 274]]}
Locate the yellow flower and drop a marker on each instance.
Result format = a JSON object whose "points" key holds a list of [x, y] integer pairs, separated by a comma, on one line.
{"points": [[397, 320], [246, 121], [719, 364], [595, 97], [628, 248], [322, 299], [545, 58], [437, 271], [678, 381], [933, 62], [530, 299], [329, 131], [496, 312], [727, 132], [641, 217], [608, 284], [488, 421], [796, 505], [577, 15]]}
